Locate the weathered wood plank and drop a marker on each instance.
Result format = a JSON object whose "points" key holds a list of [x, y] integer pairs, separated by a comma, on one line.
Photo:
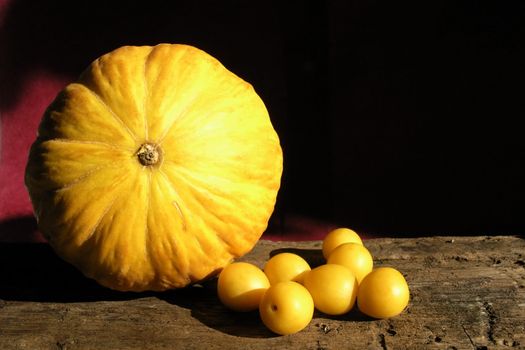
{"points": [[466, 293]]}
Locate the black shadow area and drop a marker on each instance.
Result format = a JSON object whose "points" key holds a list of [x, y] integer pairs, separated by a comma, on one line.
{"points": [[314, 257], [20, 229], [33, 272]]}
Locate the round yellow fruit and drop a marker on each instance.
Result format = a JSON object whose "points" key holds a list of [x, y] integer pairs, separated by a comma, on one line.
{"points": [[337, 237], [241, 286], [286, 267], [155, 169], [286, 308], [353, 256], [333, 288], [383, 293]]}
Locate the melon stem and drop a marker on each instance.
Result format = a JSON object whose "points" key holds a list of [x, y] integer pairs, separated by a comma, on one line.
{"points": [[149, 154]]}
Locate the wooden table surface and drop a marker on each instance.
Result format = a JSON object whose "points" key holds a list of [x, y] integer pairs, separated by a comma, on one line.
{"points": [[466, 293]]}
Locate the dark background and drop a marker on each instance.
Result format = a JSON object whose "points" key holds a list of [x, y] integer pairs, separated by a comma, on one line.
{"points": [[394, 117]]}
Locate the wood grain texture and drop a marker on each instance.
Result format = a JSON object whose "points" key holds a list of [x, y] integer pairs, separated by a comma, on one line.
{"points": [[466, 293]]}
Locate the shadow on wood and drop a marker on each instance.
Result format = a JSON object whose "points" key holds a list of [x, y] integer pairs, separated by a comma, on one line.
{"points": [[206, 307], [314, 257], [33, 272]]}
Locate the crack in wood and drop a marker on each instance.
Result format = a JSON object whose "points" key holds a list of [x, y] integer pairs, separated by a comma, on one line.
{"points": [[382, 341], [468, 336], [63, 313], [391, 331], [320, 347], [324, 328], [64, 344], [492, 320]]}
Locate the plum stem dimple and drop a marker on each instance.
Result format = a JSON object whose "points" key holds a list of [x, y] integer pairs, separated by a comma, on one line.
{"points": [[149, 154]]}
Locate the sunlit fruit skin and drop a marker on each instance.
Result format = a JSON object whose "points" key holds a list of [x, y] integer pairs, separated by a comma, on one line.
{"points": [[355, 257], [155, 169], [337, 237], [241, 286], [286, 267], [333, 288], [286, 308], [383, 293]]}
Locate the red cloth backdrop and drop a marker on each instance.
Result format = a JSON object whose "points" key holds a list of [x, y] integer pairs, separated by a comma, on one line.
{"points": [[18, 130]]}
